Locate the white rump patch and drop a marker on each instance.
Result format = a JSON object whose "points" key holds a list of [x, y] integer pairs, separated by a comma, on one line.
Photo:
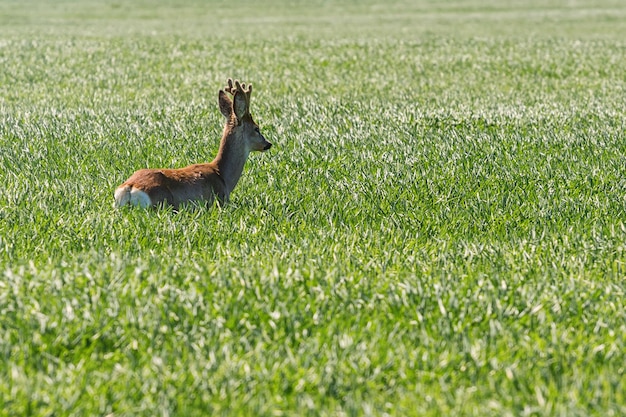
{"points": [[133, 196], [139, 198]]}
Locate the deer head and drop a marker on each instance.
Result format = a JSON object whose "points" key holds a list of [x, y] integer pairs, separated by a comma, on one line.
{"points": [[238, 117]]}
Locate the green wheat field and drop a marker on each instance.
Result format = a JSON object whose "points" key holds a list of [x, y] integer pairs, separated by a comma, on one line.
{"points": [[438, 230]]}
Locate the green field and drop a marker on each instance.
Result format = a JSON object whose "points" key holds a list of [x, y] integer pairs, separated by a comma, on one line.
{"points": [[439, 228]]}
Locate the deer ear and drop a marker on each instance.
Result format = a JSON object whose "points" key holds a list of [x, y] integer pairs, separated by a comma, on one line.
{"points": [[240, 105], [226, 104]]}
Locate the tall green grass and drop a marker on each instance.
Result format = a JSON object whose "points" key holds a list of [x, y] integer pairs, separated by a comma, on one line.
{"points": [[438, 230]]}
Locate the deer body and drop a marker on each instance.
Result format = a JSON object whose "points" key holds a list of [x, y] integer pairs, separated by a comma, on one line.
{"points": [[202, 182]]}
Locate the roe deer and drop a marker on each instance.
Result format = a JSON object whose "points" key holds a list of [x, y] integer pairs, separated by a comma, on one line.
{"points": [[202, 182]]}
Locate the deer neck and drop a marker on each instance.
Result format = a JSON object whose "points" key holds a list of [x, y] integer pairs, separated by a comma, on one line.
{"points": [[231, 157]]}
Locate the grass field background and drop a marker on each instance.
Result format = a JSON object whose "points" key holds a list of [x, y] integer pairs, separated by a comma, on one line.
{"points": [[438, 230]]}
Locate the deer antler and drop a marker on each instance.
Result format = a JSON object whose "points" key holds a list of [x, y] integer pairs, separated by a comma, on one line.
{"points": [[234, 86]]}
